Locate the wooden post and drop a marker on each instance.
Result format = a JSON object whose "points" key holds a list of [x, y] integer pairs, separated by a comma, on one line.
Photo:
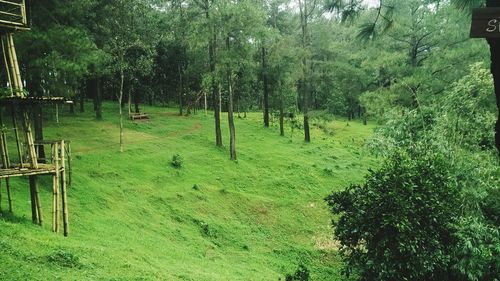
{"points": [[38, 203], [5, 160], [3, 152], [70, 170], [55, 188], [29, 139], [9, 195], [64, 194], [34, 213]]}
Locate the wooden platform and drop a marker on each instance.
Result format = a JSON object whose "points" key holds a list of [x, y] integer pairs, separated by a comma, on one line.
{"points": [[138, 116], [43, 169], [33, 100]]}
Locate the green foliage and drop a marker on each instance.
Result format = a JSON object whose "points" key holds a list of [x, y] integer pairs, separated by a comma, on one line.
{"points": [[491, 206], [301, 274], [476, 255], [177, 161], [468, 111], [64, 259], [398, 224], [456, 126]]}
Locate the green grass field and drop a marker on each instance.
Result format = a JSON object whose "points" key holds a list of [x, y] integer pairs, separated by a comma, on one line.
{"points": [[135, 217]]}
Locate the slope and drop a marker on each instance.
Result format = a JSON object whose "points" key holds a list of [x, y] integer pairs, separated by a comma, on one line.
{"points": [[135, 217]]}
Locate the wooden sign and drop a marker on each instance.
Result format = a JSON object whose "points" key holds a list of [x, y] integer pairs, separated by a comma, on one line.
{"points": [[485, 23]]}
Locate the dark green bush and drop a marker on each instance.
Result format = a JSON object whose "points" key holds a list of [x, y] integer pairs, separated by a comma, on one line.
{"points": [[398, 225], [177, 161], [476, 255], [491, 206], [63, 258], [301, 274]]}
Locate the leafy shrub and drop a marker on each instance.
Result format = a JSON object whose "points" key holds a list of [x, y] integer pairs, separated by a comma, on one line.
{"points": [[177, 161], [477, 251], [64, 259], [491, 206], [301, 274], [398, 224]]}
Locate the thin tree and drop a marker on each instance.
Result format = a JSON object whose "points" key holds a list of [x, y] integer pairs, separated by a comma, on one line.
{"points": [[306, 11], [230, 114]]}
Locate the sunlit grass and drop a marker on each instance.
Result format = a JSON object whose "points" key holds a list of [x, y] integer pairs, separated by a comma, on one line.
{"points": [[133, 216]]}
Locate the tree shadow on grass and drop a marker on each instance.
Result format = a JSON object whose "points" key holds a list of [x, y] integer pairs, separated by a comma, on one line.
{"points": [[12, 218]]}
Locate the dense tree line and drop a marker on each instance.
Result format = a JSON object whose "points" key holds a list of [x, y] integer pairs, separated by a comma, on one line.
{"points": [[286, 58]]}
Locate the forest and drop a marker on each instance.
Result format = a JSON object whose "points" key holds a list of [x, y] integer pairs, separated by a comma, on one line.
{"points": [[262, 140]]}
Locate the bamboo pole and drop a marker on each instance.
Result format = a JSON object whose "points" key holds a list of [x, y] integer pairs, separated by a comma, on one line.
{"points": [[11, 14], [29, 139], [64, 194], [2, 148], [9, 78], [9, 194], [11, 67], [70, 170], [18, 86], [34, 213], [10, 3], [38, 203], [5, 161], [16, 133], [55, 188]]}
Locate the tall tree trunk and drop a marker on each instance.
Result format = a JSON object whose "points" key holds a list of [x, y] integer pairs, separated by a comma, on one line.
{"points": [[120, 99], [181, 89], [98, 97], [495, 71], [151, 98], [205, 102], [136, 97], [230, 115], [282, 120], [215, 94], [129, 101], [38, 124], [306, 89], [265, 83], [82, 99], [282, 109]]}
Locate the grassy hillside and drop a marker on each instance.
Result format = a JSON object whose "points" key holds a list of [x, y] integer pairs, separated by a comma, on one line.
{"points": [[135, 217]]}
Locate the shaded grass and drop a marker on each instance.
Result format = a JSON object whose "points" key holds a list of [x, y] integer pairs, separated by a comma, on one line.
{"points": [[135, 217]]}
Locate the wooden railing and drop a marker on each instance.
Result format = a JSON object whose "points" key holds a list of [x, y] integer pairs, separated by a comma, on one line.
{"points": [[13, 14]]}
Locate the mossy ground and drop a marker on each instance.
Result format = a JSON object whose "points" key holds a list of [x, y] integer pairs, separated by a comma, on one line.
{"points": [[133, 216]]}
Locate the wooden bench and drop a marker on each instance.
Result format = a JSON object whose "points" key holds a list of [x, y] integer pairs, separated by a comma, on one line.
{"points": [[138, 116]]}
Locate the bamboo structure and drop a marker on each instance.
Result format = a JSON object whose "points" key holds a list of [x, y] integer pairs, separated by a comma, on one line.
{"points": [[14, 16], [64, 194]]}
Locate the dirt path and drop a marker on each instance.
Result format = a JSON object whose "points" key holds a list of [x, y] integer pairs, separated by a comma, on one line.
{"points": [[134, 137]]}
